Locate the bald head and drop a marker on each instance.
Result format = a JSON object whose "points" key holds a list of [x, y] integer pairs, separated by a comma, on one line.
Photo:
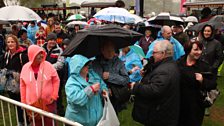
{"points": [[166, 32]]}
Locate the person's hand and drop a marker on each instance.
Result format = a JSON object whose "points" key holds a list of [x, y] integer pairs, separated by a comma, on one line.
{"points": [[199, 77], [104, 93], [110, 92], [106, 75], [134, 69], [51, 101], [142, 72], [96, 87], [131, 85]]}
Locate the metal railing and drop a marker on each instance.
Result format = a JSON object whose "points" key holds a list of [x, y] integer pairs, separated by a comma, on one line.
{"points": [[42, 113]]}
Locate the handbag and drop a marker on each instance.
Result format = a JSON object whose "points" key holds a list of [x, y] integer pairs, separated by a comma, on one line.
{"points": [[109, 117], [10, 79], [2, 79], [209, 97]]}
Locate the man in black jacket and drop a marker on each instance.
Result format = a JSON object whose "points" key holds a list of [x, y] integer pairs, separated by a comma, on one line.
{"points": [[157, 95]]}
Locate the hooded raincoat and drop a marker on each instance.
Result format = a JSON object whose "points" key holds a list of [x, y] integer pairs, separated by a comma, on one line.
{"points": [[131, 59], [83, 105], [177, 47], [30, 87]]}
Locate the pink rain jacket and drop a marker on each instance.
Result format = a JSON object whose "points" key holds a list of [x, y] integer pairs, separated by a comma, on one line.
{"points": [[30, 88]]}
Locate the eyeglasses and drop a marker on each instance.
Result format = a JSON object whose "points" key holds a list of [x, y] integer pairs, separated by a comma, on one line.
{"points": [[155, 52]]}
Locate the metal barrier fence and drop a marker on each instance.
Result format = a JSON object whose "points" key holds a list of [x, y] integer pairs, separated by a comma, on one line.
{"points": [[9, 115]]}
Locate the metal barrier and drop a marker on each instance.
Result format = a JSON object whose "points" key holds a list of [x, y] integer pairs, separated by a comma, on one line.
{"points": [[43, 114]]}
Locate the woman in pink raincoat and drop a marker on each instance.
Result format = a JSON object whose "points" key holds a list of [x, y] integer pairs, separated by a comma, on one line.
{"points": [[39, 80]]}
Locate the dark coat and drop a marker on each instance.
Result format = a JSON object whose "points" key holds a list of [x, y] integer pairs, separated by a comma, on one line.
{"points": [[181, 37], [145, 44], [14, 62], [157, 96], [191, 108], [212, 52]]}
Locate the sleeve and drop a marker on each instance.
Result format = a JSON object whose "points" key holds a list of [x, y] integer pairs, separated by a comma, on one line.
{"points": [[56, 84], [151, 46], [119, 77], [60, 62], [76, 94], [158, 84], [22, 89], [219, 56]]}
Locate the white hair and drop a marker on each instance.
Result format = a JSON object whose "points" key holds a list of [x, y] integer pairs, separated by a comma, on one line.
{"points": [[165, 46]]}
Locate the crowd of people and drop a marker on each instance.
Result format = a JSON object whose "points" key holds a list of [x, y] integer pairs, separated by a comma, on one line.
{"points": [[166, 90]]}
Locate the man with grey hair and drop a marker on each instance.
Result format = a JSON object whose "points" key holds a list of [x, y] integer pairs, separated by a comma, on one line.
{"points": [[157, 95], [166, 34]]}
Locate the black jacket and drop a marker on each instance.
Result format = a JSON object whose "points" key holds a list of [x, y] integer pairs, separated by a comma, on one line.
{"points": [[14, 62], [157, 96], [191, 108], [212, 53]]}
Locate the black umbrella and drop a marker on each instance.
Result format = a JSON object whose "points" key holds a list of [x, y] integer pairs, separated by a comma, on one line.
{"points": [[87, 42], [4, 22], [217, 18], [166, 19], [199, 26]]}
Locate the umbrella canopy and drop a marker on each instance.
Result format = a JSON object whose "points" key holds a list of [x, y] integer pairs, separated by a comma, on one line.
{"points": [[137, 18], [191, 19], [73, 23], [18, 13], [166, 19], [114, 14], [215, 24], [217, 18], [4, 22], [87, 42], [75, 17]]}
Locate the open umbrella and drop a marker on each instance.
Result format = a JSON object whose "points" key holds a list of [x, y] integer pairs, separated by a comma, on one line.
{"points": [[72, 24], [18, 13], [87, 42], [214, 24], [75, 17], [114, 14], [4, 22], [166, 19], [217, 18], [191, 19]]}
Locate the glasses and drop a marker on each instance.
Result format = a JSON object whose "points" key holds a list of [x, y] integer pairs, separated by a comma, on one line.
{"points": [[155, 52]]}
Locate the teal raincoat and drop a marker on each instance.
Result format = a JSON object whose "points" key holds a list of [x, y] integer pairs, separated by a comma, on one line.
{"points": [[83, 106]]}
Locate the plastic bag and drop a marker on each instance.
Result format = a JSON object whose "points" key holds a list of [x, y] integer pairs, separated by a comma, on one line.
{"points": [[109, 117]]}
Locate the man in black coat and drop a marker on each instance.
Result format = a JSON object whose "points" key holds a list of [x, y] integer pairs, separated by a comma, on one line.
{"points": [[157, 95]]}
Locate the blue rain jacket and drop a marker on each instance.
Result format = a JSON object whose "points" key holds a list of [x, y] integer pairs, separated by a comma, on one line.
{"points": [[82, 105], [131, 59], [178, 48]]}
